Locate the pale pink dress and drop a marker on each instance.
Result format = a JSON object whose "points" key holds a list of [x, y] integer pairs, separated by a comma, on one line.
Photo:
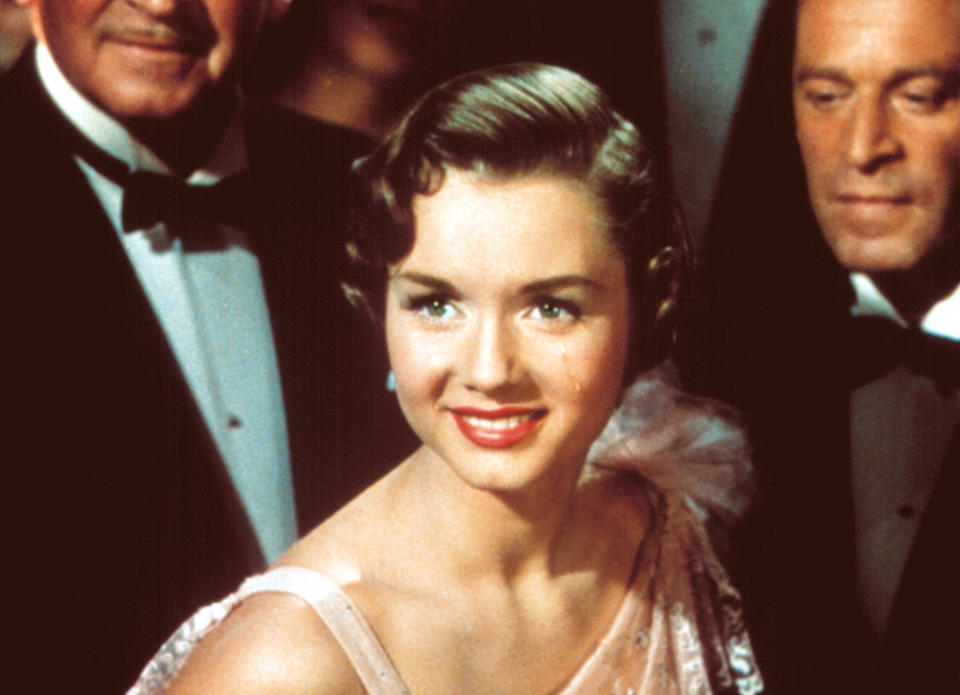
{"points": [[680, 628]]}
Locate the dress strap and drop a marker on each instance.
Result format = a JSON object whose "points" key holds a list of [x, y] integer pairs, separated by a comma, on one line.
{"points": [[340, 615]]}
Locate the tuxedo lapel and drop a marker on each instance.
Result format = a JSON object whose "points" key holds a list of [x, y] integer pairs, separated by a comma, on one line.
{"points": [[922, 641], [124, 513], [129, 520]]}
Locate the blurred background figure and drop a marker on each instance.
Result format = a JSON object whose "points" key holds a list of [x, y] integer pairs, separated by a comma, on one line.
{"points": [[360, 63], [14, 32]]}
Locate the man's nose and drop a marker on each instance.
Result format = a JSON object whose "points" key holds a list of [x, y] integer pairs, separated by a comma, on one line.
{"points": [[488, 360], [158, 8], [872, 138]]}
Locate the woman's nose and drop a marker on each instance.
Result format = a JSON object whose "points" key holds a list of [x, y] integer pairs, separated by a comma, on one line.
{"points": [[488, 360]]}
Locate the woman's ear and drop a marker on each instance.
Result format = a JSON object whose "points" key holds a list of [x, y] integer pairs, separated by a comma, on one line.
{"points": [[277, 9]]}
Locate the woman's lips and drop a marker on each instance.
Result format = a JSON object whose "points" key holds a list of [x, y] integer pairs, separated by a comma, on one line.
{"points": [[497, 429]]}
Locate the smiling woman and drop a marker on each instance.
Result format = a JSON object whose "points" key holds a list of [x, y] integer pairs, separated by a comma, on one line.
{"points": [[526, 359], [520, 352], [514, 244]]}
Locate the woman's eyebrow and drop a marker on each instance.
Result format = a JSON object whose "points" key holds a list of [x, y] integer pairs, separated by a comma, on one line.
{"points": [[425, 280], [546, 285], [561, 282]]}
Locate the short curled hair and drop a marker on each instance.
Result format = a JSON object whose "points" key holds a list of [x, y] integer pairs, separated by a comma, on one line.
{"points": [[524, 119]]}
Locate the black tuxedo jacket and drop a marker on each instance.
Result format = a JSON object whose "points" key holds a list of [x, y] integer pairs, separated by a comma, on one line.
{"points": [[798, 571], [121, 516], [775, 337]]}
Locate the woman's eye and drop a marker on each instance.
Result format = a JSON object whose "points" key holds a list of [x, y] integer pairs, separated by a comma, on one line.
{"points": [[552, 310], [433, 307]]}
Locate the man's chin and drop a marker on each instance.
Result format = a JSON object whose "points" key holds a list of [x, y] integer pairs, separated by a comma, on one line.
{"points": [[134, 100], [879, 253]]}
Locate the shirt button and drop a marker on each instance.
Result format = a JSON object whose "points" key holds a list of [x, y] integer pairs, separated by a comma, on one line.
{"points": [[906, 511]]}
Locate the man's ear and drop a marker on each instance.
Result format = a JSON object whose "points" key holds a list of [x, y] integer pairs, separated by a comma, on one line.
{"points": [[34, 14], [276, 9]]}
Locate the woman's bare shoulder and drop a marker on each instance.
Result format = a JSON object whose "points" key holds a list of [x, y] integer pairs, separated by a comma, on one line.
{"points": [[272, 644], [353, 540]]}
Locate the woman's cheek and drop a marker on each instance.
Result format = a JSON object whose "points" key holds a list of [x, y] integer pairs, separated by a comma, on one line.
{"points": [[419, 359]]}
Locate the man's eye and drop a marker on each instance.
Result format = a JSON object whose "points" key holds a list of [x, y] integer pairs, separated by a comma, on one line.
{"points": [[924, 101], [822, 97], [823, 93]]}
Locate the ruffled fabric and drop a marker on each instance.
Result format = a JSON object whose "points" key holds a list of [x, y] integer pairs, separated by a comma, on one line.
{"points": [[681, 443], [681, 630]]}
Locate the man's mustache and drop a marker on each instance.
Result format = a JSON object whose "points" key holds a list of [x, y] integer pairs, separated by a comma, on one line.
{"points": [[181, 31]]}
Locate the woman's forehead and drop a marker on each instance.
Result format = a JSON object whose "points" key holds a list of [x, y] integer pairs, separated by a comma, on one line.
{"points": [[516, 230]]}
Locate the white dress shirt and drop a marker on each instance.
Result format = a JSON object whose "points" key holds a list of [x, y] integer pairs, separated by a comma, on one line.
{"points": [[213, 311], [943, 318]]}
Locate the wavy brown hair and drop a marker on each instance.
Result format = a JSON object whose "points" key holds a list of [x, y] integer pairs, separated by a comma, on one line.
{"points": [[524, 119]]}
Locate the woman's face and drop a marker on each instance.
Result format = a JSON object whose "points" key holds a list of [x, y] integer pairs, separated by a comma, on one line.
{"points": [[507, 327]]}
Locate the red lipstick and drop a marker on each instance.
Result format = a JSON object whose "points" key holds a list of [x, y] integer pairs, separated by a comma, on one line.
{"points": [[499, 428]]}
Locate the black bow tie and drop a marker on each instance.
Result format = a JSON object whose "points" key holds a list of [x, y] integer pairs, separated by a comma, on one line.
{"points": [[882, 344], [151, 198]]}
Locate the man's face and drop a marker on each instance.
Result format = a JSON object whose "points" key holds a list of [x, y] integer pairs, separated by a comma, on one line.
{"points": [[877, 106], [148, 58]]}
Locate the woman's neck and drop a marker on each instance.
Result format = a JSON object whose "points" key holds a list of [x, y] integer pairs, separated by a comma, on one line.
{"points": [[552, 528], [437, 557]]}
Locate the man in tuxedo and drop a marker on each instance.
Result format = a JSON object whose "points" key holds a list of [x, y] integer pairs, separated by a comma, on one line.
{"points": [[188, 384], [839, 333]]}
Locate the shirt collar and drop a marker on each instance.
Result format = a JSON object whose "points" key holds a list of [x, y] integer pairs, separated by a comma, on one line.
{"points": [[229, 156], [943, 319]]}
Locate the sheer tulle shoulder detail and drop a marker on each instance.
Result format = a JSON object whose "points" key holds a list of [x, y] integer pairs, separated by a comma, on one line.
{"points": [[680, 630], [685, 633], [681, 443], [327, 599]]}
